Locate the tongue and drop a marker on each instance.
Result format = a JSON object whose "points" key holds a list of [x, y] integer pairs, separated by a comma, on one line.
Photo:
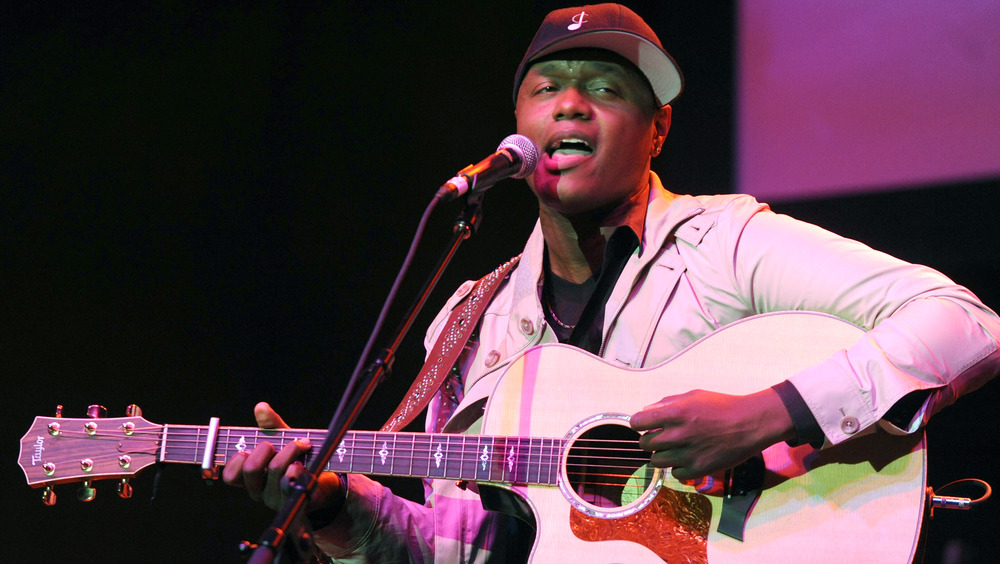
{"points": [[562, 160], [571, 151]]}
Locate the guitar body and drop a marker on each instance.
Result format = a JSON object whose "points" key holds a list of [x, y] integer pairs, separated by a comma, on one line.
{"points": [[857, 501]]}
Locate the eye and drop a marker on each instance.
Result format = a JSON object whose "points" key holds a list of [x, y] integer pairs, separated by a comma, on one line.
{"points": [[609, 89], [546, 88]]}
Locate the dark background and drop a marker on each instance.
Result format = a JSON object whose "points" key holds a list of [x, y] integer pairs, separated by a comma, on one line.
{"points": [[204, 206]]}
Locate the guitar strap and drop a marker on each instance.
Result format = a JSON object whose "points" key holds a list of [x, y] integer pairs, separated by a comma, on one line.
{"points": [[448, 347]]}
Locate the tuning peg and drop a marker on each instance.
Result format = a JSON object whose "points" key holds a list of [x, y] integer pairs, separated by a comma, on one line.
{"points": [[97, 412], [59, 409], [133, 410], [49, 496], [124, 489], [86, 493]]}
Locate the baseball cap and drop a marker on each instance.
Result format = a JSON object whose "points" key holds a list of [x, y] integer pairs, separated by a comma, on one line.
{"points": [[612, 27]]}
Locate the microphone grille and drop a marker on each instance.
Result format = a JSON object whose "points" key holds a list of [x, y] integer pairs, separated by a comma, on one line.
{"points": [[526, 149]]}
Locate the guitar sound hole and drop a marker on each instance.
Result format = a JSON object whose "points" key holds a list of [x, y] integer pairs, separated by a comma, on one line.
{"points": [[606, 468]]}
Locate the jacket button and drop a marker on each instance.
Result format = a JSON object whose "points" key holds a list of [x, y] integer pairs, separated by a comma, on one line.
{"points": [[492, 359], [849, 425], [527, 327]]}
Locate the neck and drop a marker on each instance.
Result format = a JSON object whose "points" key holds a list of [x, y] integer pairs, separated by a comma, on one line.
{"points": [[575, 244]]}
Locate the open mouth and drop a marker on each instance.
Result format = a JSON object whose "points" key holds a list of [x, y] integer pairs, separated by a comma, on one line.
{"points": [[569, 146]]}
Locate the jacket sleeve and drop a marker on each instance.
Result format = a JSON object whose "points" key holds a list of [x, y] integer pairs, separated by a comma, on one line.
{"points": [[925, 334], [380, 526]]}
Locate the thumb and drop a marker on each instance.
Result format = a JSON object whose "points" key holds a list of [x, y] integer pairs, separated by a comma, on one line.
{"points": [[267, 417]]}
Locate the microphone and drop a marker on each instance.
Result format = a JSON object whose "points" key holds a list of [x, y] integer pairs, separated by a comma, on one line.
{"points": [[516, 157]]}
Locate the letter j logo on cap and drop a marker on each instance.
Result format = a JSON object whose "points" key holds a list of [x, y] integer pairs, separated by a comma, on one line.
{"points": [[578, 21]]}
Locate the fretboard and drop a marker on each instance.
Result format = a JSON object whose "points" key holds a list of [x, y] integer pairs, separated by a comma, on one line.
{"points": [[515, 460]]}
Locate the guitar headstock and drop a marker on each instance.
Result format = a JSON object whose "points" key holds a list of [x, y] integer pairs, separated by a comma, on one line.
{"points": [[58, 450]]}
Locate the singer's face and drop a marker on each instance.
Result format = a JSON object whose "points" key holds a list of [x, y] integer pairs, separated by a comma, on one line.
{"points": [[595, 122]]}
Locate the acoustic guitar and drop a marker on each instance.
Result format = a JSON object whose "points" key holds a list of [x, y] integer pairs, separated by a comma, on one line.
{"points": [[556, 443]]}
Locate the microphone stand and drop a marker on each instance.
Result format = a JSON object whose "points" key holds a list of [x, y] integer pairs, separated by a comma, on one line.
{"points": [[288, 523]]}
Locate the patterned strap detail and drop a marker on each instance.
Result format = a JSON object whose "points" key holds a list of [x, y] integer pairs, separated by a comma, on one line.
{"points": [[448, 347]]}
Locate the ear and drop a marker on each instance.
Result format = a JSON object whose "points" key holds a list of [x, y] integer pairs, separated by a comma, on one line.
{"points": [[661, 126]]}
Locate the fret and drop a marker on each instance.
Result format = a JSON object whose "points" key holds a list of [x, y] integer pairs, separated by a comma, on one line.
{"points": [[371, 452], [437, 456], [228, 445], [307, 458], [185, 448], [223, 446], [354, 447], [407, 453], [384, 454], [181, 448], [421, 461], [496, 459], [272, 436], [484, 459], [515, 466], [552, 455], [221, 450], [240, 444], [411, 453], [524, 467], [343, 456], [538, 453], [401, 453], [376, 457], [455, 457], [550, 469], [364, 461], [504, 458], [544, 468], [501, 463], [468, 458], [197, 446]]}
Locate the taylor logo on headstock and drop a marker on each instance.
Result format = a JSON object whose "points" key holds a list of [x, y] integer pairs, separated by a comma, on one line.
{"points": [[36, 458]]}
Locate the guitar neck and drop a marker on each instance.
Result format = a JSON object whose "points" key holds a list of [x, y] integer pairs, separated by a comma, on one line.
{"points": [[517, 460]]}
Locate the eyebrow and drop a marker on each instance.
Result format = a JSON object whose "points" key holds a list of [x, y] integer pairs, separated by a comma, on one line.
{"points": [[549, 67]]}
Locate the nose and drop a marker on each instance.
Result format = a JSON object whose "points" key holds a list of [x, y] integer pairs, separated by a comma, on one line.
{"points": [[572, 104]]}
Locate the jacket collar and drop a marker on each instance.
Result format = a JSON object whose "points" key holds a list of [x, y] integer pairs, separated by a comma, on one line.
{"points": [[664, 212]]}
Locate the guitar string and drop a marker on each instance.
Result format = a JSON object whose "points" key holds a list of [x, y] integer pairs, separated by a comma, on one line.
{"points": [[364, 452], [468, 451], [472, 446]]}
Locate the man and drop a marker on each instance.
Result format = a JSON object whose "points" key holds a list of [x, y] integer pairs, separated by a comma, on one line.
{"points": [[620, 267]]}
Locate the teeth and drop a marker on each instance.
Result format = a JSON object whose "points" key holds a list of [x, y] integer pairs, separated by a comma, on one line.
{"points": [[570, 145]]}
